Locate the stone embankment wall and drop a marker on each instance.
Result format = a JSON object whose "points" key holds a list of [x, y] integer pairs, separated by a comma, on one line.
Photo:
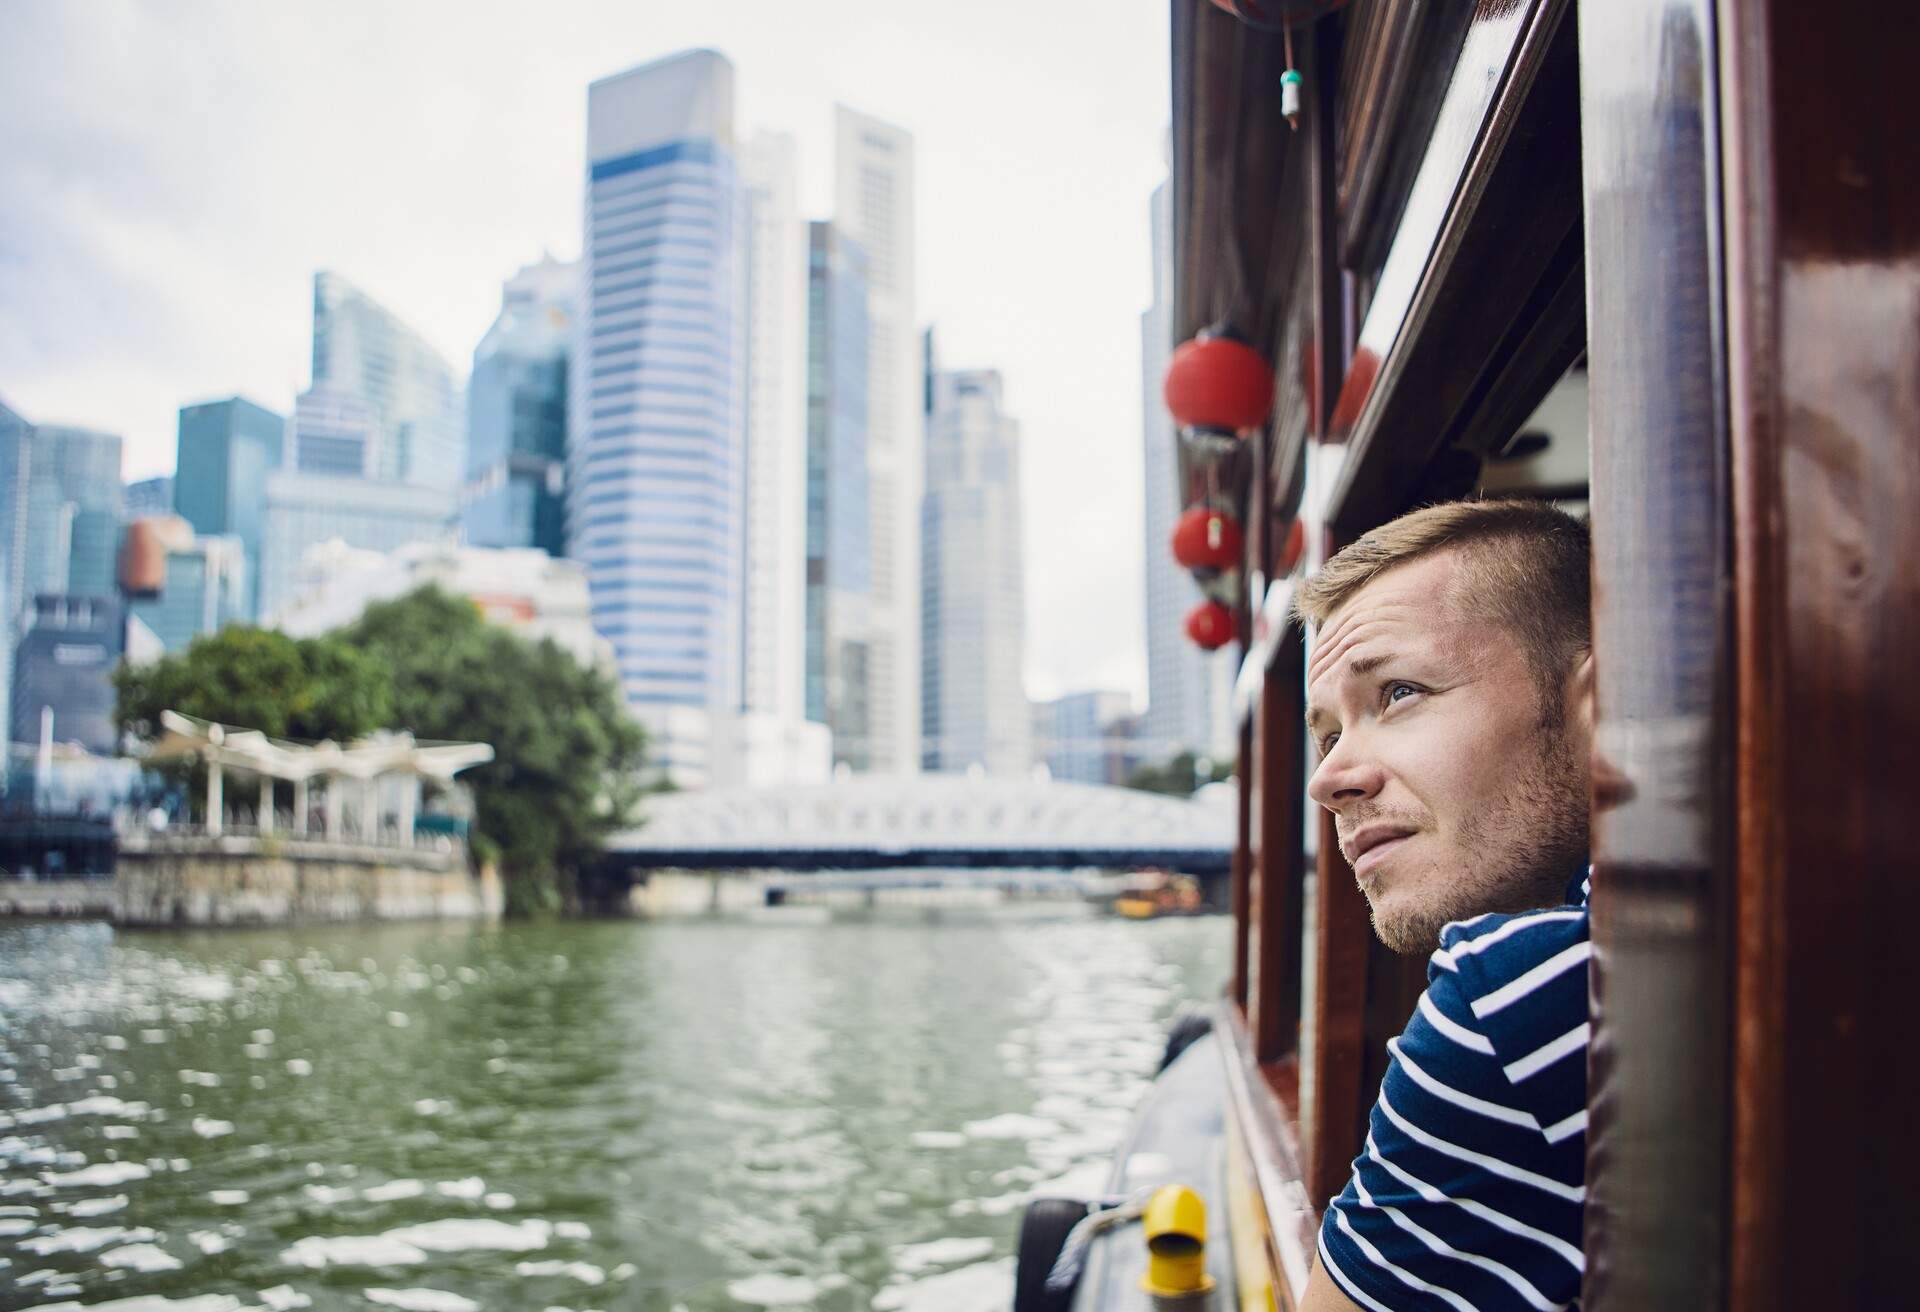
{"points": [[57, 899], [261, 881]]}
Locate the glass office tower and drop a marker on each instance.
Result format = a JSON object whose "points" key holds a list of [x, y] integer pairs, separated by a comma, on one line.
{"points": [[974, 708], [517, 414], [418, 402], [656, 427], [838, 505], [227, 449]]}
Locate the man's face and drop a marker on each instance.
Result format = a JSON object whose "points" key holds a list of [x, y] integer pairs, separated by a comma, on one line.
{"points": [[1454, 791]]}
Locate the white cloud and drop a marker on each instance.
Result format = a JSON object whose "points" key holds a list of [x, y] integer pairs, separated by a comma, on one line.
{"points": [[172, 176]]}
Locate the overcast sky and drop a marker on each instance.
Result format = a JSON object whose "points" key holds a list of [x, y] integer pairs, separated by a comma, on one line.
{"points": [[171, 175]]}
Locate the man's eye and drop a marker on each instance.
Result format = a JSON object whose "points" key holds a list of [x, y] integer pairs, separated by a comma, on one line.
{"points": [[1394, 691], [1326, 744]]}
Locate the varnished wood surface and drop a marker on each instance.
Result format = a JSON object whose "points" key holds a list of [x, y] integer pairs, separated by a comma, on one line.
{"points": [[1823, 239], [1477, 310], [1273, 1012], [1393, 72], [1240, 891], [1656, 1216]]}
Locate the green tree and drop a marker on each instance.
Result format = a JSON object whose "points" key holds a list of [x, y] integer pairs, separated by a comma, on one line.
{"points": [[309, 688], [566, 752], [1180, 776]]}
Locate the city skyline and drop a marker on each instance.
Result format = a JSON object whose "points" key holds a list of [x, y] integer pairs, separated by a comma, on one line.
{"points": [[169, 348]]}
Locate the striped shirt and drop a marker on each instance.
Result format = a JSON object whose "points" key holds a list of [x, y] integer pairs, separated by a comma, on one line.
{"points": [[1469, 1192]]}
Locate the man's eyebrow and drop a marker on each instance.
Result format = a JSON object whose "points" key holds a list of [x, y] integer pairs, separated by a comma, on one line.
{"points": [[1358, 666]]}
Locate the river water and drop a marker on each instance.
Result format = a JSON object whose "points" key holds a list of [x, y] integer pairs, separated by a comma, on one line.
{"points": [[686, 1115]]}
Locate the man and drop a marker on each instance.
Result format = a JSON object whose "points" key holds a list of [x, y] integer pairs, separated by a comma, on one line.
{"points": [[1450, 699]]}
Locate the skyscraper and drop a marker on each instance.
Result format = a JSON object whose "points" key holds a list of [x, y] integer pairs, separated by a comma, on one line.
{"points": [[656, 433], [16, 467], [773, 667], [73, 494], [361, 347], [306, 510], [334, 433], [227, 449], [975, 711], [1189, 691], [874, 205], [149, 496], [64, 663], [196, 586], [839, 505], [517, 414]]}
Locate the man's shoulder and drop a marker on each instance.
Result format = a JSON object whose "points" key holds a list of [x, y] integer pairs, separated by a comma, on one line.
{"points": [[1520, 981], [1498, 959]]}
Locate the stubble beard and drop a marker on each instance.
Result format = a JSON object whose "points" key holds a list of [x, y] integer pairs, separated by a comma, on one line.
{"points": [[1517, 855]]}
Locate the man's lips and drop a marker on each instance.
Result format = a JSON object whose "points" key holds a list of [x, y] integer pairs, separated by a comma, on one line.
{"points": [[1372, 845]]}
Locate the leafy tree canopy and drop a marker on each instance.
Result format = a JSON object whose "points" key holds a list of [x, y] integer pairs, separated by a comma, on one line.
{"points": [[308, 688], [1180, 776], [566, 752]]}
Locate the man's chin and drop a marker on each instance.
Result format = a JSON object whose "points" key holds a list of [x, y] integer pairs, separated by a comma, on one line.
{"points": [[1403, 926]]}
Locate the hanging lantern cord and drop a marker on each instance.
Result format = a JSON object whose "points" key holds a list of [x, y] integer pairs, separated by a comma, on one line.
{"points": [[1290, 82]]}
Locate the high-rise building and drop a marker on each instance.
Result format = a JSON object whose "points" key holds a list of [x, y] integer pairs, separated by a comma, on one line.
{"points": [[839, 506], [360, 346], [1189, 691], [149, 496], [874, 205], [534, 593], [304, 511], [73, 494], [16, 470], [656, 430], [227, 449], [334, 433], [517, 414], [181, 585], [773, 665], [64, 664], [1084, 736], [974, 708]]}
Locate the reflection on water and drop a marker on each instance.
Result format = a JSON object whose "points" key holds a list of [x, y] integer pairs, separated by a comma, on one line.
{"points": [[694, 1115]]}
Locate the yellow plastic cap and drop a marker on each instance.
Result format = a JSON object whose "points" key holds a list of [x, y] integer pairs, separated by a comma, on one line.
{"points": [[1175, 1224]]}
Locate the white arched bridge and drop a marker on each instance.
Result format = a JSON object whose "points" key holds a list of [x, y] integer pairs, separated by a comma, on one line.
{"points": [[923, 821]]}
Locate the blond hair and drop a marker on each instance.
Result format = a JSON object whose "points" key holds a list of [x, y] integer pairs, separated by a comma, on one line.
{"points": [[1526, 569]]}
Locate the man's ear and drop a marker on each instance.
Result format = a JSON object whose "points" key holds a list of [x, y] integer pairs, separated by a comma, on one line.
{"points": [[1579, 702]]}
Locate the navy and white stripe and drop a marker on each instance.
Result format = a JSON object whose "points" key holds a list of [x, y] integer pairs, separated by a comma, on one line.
{"points": [[1470, 1191]]}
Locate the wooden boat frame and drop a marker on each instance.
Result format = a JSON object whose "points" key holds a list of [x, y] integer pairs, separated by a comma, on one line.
{"points": [[1707, 202]]}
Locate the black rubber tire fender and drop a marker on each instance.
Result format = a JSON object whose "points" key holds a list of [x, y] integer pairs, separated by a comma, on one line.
{"points": [[1043, 1233], [1187, 1029]]}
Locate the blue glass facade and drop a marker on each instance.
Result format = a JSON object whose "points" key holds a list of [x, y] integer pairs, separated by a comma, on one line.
{"points": [[417, 403], [65, 664], [517, 416], [227, 449], [204, 589], [839, 497], [656, 449]]}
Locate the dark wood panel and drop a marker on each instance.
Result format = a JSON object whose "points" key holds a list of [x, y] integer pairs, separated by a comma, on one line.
{"points": [[1240, 893], [1656, 1217], [1274, 948], [1393, 73], [1478, 312], [1333, 1094], [1824, 353]]}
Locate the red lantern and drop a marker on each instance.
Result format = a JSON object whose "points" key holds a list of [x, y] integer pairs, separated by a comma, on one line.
{"points": [[1206, 539], [1210, 625], [1219, 383]]}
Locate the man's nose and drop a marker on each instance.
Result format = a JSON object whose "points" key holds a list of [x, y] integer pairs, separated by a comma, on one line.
{"points": [[1347, 774]]}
